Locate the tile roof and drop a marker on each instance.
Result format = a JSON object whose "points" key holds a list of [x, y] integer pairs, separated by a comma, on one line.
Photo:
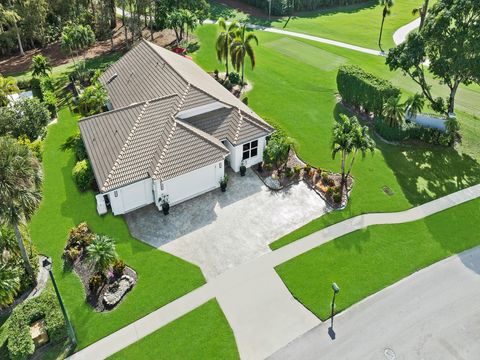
{"points": [[142, 138]]}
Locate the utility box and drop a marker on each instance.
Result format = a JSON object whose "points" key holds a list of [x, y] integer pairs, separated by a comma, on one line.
{"points": [[39, 333], [101, 204]]}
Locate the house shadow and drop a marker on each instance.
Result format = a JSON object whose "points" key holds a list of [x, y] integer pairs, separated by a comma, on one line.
{"points": [[153, 227], [471, 259]]}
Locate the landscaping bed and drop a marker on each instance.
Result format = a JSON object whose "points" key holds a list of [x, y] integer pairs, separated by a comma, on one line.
{"points": [[106, 284]]}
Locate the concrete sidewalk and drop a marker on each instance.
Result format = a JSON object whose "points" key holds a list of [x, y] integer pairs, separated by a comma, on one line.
{"points": [[263, 315], [432, 314]]}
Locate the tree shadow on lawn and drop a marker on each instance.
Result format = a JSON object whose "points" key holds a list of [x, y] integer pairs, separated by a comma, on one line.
{"points": [[429, 172]]}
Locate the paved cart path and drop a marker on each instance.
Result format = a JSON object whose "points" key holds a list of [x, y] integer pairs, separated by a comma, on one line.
{"points": [[261, 311]]}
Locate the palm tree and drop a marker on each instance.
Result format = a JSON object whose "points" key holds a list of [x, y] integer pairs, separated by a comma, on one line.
{"points": [[342, 143], [101, 252], [40, 66], [190, 21], [10, 17], [422, 11], [8, 86], [241, 46], [387, 5], [394, 112], [414, 105], [361, 141], [20, 182], [224, 40], [9, 285]]}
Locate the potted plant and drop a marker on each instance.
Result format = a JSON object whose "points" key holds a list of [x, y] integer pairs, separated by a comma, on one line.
{"points": [[223, 183], [243, 169], [163, 200]]}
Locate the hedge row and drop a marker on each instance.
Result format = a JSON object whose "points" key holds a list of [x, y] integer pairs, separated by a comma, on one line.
{"points": [[44, 89], [411, 131], [363, 90], [19, 343], [284, 7]]}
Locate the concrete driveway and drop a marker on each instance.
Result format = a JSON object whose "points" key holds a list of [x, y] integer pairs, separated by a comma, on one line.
{"points": [[218, 230]]}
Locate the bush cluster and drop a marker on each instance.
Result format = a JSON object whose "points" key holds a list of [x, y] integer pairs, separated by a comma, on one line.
{"points": [[412, 131], [48, 97], [19, 342], [76, 144], [79, 236], [363, 90]]}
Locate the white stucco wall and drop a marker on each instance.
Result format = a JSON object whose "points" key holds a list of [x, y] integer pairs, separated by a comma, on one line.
{"points": [[236, 154], [191, 184], [131, 197]]}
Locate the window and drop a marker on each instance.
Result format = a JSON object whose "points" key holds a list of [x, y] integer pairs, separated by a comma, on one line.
{"points": [[250, 150]]}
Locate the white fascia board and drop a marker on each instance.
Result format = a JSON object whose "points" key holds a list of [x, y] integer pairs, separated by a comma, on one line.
{"points": [[199, 110]]}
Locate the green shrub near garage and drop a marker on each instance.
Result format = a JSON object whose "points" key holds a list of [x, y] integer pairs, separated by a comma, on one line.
{"points": [[83, 175], [19, 342]]}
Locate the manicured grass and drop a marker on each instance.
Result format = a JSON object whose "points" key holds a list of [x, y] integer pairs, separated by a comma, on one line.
{"points": [[294, 87], [366, 261], [355, 24], [204, 333], [161, 277]]}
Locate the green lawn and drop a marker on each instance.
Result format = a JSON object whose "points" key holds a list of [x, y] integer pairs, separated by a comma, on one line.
{"points": [[294, 88], [161, 277], [366, 261], [204, 333], [355, 24]]}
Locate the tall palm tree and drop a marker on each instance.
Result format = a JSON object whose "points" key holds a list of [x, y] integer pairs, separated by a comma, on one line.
{"points": [[242, 46], [361, 142], [387, 5], [342, 144], [393, 111], [9, 285], [20, 182], [10, 17], [224, 40], [101, 252], [8, 85], [422, 11], [414, 105], [40, 66]]}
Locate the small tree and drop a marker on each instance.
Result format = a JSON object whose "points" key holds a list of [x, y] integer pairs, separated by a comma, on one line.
{"points": [[76, 38], [414, 104], [20, 182], [224, 41], [241, 47], [93, 99], [40, 66], [8, 85], [393, 112], [101, 252], [277, 149]]}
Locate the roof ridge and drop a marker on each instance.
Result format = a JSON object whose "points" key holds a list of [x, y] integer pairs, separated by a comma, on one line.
{"points": [[165, 148], [240, 122], [253, 121], [205, 136], [127, 142]]}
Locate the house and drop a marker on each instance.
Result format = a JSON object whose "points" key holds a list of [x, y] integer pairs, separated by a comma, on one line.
{"points": [[171, 130]]}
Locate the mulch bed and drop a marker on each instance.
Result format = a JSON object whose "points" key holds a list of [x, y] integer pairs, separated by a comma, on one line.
{"points": [[84, 270], [310, 175]]}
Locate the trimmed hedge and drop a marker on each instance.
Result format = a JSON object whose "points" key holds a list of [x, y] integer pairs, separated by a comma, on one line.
{"points": [[19, 343], [283, 7], [412, 131], [363, 90]]}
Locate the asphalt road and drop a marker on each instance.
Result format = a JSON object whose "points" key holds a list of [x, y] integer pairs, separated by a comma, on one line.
{"points": [[433, 314]]}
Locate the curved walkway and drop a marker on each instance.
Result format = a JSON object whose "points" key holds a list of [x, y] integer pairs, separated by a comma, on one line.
{"points": [[261, 311], [401, 34]]}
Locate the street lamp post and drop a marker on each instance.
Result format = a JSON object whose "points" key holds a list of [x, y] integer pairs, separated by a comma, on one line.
{"points": [[336, 290], [47, 264]]}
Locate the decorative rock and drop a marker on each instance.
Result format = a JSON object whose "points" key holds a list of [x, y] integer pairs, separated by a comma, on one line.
{"points": [[117, 290], [273, 183], [39, 333]]}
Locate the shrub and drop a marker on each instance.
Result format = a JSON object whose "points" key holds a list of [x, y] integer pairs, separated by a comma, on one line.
{"points": [[79, 236], [36, 147], [337, 189], [297, 169], [412, 131], [118, 268], [307, 169], [95, 282], [331, 182], [362, 89], [277, 149], [329, 191], [337, 198], [75, 143], [83, 175], [324, 176], [101, 252], [227, 85], [234, 78], [288, 171], [19, 343], [72, 254], [93, 99], [50, 101]]}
